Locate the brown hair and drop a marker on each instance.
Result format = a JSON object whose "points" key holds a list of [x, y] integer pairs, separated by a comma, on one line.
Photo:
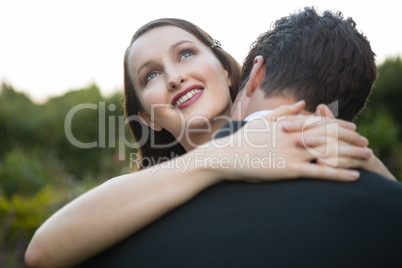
{"points": [[164, 146]]}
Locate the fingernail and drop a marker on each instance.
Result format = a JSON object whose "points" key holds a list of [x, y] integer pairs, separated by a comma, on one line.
{"points": [[353, 174], [364, 140], [367, 152], [289, 125], [351, 125], [300, 102]]}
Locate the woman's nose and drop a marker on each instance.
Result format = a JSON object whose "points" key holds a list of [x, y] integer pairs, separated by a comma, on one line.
{"points": [[175, 81]]}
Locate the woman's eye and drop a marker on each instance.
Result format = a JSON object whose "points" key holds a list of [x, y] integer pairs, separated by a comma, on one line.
{"points": [[150, 76], [186, 54]]}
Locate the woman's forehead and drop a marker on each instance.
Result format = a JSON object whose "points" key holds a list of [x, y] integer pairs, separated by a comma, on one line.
{"points": [[163, 36], [156, 42]]}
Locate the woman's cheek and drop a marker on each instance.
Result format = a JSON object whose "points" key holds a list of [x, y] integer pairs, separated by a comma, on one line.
{"points": [[215, 72], [153, 98]]}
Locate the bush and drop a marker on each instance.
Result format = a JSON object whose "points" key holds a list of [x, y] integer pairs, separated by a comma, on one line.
{"points": [[20, 216]]}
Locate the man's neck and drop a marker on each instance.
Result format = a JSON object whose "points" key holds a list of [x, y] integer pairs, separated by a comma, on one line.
{"points": [[268, 104], [258, 103]]}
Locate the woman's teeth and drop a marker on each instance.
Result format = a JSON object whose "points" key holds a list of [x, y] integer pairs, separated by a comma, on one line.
{"points": [[186, 97]]}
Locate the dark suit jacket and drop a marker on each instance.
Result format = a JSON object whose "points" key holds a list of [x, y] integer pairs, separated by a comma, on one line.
{"points": [[299, 223]]}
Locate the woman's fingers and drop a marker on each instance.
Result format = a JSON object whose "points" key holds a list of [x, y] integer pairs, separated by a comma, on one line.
{"points": [[299, 123], [336, 153], [343, 162], [283, 146], [346, 148], [323, 172], [323, 133], [286, 110], [324, 111]]}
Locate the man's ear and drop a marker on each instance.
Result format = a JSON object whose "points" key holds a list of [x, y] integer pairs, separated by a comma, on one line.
{"points": [[257, 74], [147, 120]]}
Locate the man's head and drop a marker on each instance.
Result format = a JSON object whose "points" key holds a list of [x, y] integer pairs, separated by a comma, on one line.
{"points": [[317, 58]]}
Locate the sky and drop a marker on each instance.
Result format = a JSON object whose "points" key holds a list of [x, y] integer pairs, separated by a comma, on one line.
{"points": [[48, 47]]}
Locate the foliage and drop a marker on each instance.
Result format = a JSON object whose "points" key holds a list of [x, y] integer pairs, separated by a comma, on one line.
{"points": [[41, 169], [381, 122], [20, 216]]}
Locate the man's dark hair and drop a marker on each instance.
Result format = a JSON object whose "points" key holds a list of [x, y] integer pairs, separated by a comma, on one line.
{"points": [[317, 58]]}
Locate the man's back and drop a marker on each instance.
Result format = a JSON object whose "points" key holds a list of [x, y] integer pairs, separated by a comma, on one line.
{"points": [[300, 223]]}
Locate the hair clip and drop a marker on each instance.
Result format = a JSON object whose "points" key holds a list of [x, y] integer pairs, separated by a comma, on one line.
{"points": [[215, 43]]}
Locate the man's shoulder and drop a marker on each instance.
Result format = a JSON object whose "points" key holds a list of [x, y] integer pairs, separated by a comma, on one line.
{"points": [[378, 185], [370, 188], [370, 179]]}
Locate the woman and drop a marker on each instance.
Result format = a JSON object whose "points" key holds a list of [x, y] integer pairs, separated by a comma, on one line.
{"points": [[156, 76], [134, 106]]}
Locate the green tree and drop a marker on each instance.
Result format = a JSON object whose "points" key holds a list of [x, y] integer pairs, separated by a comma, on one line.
{"points": [[381, 122], [40, 169], [18, 120]]}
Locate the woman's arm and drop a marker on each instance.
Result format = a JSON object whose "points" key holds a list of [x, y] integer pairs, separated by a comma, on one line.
{"points": [[375, 165], [109, 213]]}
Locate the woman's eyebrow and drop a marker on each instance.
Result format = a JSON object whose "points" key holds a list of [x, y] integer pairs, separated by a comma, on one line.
{"points": [[148, 62], [172, 47]]}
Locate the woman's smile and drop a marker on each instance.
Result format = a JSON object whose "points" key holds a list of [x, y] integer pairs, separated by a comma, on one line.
{"points": [[187, 97]]}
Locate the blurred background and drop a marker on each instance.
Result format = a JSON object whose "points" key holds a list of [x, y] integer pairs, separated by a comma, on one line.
{"points": [[55, 55]]}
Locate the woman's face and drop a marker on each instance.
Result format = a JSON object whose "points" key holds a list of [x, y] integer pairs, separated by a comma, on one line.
{"points": [[181, 83]]}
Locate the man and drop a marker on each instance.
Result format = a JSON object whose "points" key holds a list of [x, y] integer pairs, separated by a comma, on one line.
{"points": [[302, 223]]}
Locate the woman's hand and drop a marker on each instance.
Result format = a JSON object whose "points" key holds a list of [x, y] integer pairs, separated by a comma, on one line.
{"points": [[340, 152], [332, 141], [339, 146], [372, 163], [265, 150]]}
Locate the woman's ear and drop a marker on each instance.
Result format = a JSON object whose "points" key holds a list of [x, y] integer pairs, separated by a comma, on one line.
{"points": [[257, 75], [147, 120]]}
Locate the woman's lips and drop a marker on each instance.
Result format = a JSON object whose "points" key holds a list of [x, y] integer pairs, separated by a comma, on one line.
{"points": [[187, 96], [188, 99]]}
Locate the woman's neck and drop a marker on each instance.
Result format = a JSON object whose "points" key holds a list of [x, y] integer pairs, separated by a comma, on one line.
{"points": [[204, 130], [197, 136]]}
